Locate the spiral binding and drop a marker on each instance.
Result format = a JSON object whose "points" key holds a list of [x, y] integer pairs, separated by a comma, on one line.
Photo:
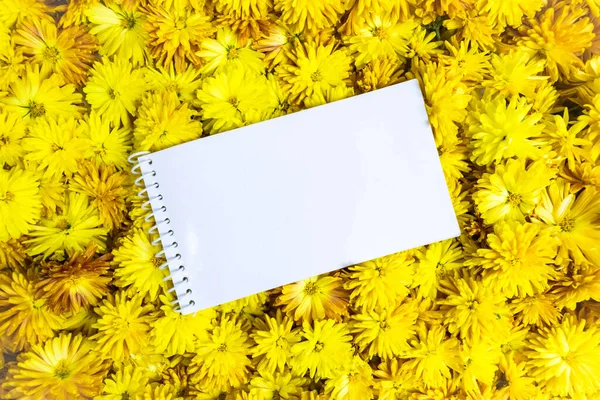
{"points": [[141, 181]]}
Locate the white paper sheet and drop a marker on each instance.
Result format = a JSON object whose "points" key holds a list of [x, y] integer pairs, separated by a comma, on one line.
{"points": [[286, 199]]}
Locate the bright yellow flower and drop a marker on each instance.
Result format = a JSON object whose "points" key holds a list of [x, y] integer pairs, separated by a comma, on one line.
{"points": [[560, 34], [481, 363], [277, 43], [325, 348], [183, 83], [474, 27], [353, 382], [268, 386], [385, 333], [36, 95], [421, 45], [504, 130], [138, 265], [379, 73], [537, 310], [314, 68], [221, 358], [274, 338], [25, 316], [12, 253], [173, 333], [123, 326], [62, 368], [75, 13], [510, 12], [381, 36], [68, 53], [308, 14], [574, 220], [105, 145], [438, 261], [394, 380], [120, 31], [235, 97], [512, 191], [580, 285], [567, 142], [473, 310], [380, 282], [114, 89], [164, 121], [226, 51], [328, 95], [314, 299], [12, 130], [520, 259], [126, 382], [175, 35], [12, 63], [565, 359], [76, 284], [516, 72], [73, 230], [246, 17], [433, 356], [520, 386], [17, 12], [465, 60], [55, 146], [52, 192], [20, 202]]}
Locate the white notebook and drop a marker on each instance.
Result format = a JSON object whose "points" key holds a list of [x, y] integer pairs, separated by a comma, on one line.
{"points": [[286, 199]]}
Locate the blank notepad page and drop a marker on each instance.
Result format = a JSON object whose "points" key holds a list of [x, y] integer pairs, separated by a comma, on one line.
{"points": [[293, 197]]}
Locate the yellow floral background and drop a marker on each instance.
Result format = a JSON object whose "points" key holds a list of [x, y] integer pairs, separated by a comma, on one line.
{"points": [[507, 311]]}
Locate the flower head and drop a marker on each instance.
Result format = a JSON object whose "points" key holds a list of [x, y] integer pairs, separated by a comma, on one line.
{"points": [[309, 15], [20, 202], [12, 131], [126, 382], [274, 338], [105, 145], [438, 261], [227, 51]]}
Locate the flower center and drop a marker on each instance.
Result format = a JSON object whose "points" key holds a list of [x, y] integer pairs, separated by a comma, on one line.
{"points": [[514, 199], [51, 54], [310, 289], [567, 224], [63, 224], [113, 94], [129, 21], [316, 76], [233, 101], [380, 33], [180, 23], [36, 109], [222, 348], [158, 261], [6, 197], [125, 396], [4, 140], [61, 370], [383, 325], [319, 346], [472, 305], [232, 52]]}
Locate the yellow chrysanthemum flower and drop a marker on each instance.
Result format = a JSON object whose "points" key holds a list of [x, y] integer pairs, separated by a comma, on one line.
{"points": [[379, 73], [565, 140], [380, 282], [55, 146], [519, 261], [77, 283], [274, 338], [25, 316], [68, 53], [221, 359], [512, 191], [438, 261], [581, 285], [12, 130], [446, 100], [173, 333], [433, 356], [519, 385], [183, 83], [249, 18], [123, 326], [329, 95], [106, 188], [560, 34], [114, 89], [270, 386], [325, 348], [517, 72], [164, 121], [12, 254], [12, 63], [250, 305], [510, 12], [62, 368], [105, 145], [354, 382], [473, 310], [565, 359], [138, 265], [385, 333], [314, 68], [17, 12], [465, 60], [574, 220], [394, 380], [126, 382], [314, 299], [309, 15], [421, 45], [20, 202], [481, 363], [175, 35], [277, 43], [381, 36], [77, 226], [226, 51], [235, 97], [504, 130], [75, 12], [36, 95], [474, 27], [537, 310], [52, 193], [120, 31]]}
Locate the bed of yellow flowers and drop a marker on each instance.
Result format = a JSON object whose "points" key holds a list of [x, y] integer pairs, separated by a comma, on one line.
{"points": [[507, 311]]}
